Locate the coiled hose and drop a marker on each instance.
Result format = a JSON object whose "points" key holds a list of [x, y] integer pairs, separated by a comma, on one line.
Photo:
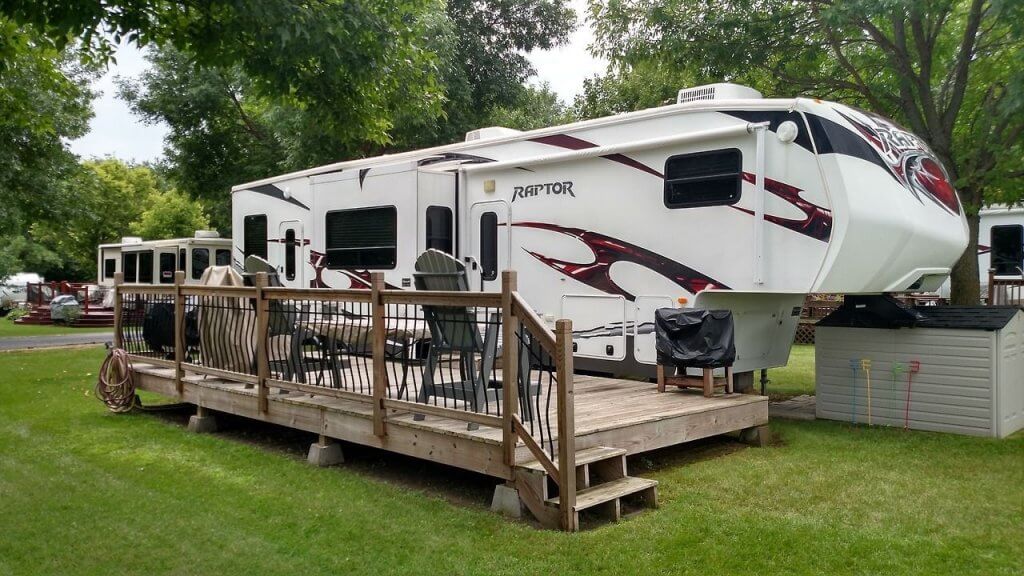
{"points": [[115, 386]]}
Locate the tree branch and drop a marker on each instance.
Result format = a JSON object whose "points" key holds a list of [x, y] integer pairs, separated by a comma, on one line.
{"points": [[959, 71]]}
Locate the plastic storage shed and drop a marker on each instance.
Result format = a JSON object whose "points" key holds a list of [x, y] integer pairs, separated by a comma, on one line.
{"points": [[969, 376]]}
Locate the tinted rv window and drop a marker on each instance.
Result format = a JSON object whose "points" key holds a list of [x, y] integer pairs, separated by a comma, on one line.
{"points": [[200, 260], [362, 238], [1008, 250], [289, 254], [223, 257], [109, 268], [254, 235], [130, 265], [439, 228], [489, 245], [146, 267], [168, 262], [710, 178], [181, 259]]}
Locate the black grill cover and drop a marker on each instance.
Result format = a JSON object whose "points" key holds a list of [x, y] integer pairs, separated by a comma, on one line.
{"points": [[688, 338]]}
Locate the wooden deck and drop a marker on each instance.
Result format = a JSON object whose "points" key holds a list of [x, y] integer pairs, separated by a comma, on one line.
{"points": [[610, 412]]}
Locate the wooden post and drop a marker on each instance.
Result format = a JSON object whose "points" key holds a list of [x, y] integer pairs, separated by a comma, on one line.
{"points": [[509, 366], [379, 341], [118, 281], [262, 330], [179, 333], [991, 286], [566, 426]]}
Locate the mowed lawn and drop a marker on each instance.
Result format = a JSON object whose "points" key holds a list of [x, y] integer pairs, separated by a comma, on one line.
{"points": [[84, 491], [796, 378]]}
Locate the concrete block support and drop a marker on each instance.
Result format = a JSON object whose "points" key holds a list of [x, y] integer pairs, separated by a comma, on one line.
{"points": [[325, 453], [756, 436], [203, 422], [506, 501]]}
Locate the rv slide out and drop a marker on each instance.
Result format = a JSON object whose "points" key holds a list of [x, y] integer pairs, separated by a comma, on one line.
{"points": [[723, 200]]}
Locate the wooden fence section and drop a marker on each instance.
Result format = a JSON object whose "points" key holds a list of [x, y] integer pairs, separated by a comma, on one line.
{"points": [[1003, 291], [397, 353]]}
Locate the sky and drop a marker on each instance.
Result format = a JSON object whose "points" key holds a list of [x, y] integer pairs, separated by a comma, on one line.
{"points": [[115, 131]]}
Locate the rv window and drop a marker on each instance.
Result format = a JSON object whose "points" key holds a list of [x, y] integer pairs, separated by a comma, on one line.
{"points": [[289, 254], [167, 265], [181, 259], [129, 265], [1008, 250], [489, 245], [362, 238], [109, 268], [200, 260], [254, 235], [439, 228], [146, 267], [712, 178], [223, 257]]}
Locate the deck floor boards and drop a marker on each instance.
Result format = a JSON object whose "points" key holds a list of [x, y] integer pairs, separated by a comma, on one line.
{"points": [[622, 413]]}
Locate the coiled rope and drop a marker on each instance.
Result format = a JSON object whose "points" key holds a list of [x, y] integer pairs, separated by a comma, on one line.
{"points": [[115, 386]]}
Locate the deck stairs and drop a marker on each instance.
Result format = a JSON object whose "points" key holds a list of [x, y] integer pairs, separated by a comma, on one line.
{"points": [[94, 317], [602, 484]]}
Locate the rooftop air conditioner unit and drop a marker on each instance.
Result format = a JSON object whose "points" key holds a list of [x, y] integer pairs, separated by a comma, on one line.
{"points": [[131, 240], [490, 133], [720, 91], [207, 234]]}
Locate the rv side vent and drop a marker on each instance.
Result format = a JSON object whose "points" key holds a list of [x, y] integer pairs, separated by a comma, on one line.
{"points": [[490, 133], [720, 91]]}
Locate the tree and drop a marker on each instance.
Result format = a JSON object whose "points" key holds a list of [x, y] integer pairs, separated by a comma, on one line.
{"points": [[952, 70], [537, 107], [110, 196], [44, 101], [170, 214], [644, 85]]}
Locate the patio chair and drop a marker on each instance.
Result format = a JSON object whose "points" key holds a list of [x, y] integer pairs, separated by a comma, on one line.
{"points": [[455, 331]]}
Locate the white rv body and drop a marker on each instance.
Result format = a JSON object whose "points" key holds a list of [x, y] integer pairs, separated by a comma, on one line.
{"points": [[609, 219], [155, 261]]}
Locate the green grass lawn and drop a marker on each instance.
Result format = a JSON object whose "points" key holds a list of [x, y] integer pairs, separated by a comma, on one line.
{"points": [[83, 491], [8, 329], [796, 378]]}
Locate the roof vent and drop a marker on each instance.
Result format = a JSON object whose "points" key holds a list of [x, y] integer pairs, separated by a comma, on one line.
{"points": [[207, 234], [131, 240], [490, 133], [720, 91]]}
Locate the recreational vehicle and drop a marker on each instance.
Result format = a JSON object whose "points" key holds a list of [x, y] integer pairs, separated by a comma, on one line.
{"points": [[722, 200], [155, 261]]}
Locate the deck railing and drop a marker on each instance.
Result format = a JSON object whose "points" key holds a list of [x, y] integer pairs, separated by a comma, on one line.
{"points": [[485, 359], [1005, 291]]}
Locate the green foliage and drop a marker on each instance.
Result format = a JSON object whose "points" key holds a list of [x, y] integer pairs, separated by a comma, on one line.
{"points": [[952, 70], [170, 214], [536, 107], [44, 100], [645, 85]]}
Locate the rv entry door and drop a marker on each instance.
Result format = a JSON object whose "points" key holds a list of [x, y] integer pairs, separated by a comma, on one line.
{"points": [[291, 244], [488, 244]]}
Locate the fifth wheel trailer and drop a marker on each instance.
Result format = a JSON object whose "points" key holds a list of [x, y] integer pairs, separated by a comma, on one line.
{"points": [[723, 200], [155, 261]]}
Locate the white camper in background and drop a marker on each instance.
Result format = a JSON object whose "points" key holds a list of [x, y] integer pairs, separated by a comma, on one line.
{"points": [[723, 200], [1000, 244], [155, 261]]}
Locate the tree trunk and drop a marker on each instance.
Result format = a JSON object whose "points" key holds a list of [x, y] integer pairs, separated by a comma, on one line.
{"points": [[965, 286]]}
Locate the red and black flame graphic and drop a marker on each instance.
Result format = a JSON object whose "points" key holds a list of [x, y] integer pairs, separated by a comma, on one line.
{"points": [[607, 251], [908, 158], [358, 279]]}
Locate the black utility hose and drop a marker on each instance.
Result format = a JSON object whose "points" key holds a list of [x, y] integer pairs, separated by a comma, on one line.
{"points": [[116, 388]]}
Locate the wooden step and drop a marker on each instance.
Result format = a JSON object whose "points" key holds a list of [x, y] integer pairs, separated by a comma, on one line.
{"points": [[583, 457], [601, 493]]}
